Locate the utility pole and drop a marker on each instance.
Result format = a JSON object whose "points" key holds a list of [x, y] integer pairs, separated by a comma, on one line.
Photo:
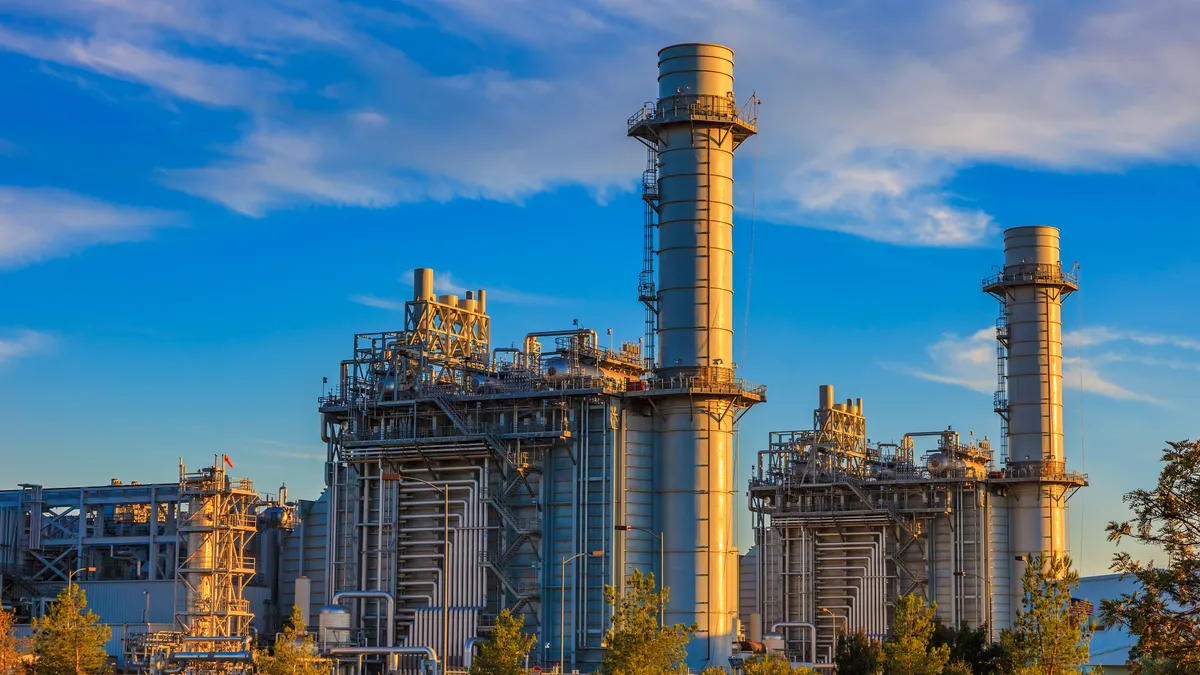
{"points": [[75, 619]]}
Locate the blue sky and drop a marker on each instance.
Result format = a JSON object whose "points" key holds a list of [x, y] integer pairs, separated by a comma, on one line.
{"points": [[201, 203]]}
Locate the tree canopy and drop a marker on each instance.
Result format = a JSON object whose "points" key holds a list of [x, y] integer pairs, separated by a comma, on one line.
{"points": [[858, 654], [69, 639], [773, 665], [1163, 613], [909, 651], [636, 643], [11, 648], [505, 651], [295, 652], [1050, 635]]}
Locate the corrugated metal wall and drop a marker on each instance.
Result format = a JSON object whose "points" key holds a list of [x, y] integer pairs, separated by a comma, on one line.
{"points": [[304, 552]]}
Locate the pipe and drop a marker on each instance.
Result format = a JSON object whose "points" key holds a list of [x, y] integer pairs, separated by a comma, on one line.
{"points": [[389, 651], [222, 657], [391, 608], [800, 624], [469, 650]]}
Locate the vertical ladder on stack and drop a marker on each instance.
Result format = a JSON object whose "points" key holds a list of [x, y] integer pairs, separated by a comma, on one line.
{"points": [[647, 293], [1000, 402]]}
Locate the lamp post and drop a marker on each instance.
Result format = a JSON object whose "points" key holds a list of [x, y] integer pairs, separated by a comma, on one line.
{"points": [[835, 618], [562, 611], [988, 585], [662, 565], [445, 490], [75, 633]]}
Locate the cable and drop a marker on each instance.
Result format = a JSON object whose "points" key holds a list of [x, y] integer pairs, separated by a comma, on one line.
{"points": [[1082, 444], [750, 263]]}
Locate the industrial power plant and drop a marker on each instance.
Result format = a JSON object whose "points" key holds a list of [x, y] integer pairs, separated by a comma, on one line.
{"points": [[464, 479]]}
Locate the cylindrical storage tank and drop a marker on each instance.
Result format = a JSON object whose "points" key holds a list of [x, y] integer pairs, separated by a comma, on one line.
{"points": [[334, 625], [481, 301], [423, 284], [451, 300], [467, 304]]}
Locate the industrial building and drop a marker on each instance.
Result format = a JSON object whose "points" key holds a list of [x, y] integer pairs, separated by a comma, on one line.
{"points": [[169, 567], [464, 479], [844, 527]]}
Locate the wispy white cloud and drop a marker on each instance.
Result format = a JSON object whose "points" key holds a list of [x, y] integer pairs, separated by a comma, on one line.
{"points": [[445, 283], [378, 302], [870, 111], [281, 449], [970, 361], [40, 223], [15, 344]]}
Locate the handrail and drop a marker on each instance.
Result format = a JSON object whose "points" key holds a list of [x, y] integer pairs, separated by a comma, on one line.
{"points": [[1047, 273]]}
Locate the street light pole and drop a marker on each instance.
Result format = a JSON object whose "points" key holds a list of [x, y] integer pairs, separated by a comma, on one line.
{"points": [[445, 490], [662, 565], [75, 632], [562, 610], [988, 585]]}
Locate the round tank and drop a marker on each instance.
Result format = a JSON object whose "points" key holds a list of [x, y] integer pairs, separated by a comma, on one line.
{"points": [[559, 368], [334, 624], [937, 464]]}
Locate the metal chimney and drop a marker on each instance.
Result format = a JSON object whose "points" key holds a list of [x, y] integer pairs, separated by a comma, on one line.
{"points": [[1035, 482], [693, 129]]}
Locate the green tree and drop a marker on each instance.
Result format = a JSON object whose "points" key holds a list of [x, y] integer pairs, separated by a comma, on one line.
{"points": [[971, 646], [957, 667], [858, 654], [295, 652], [12, 649], [713, 670], [505, 651], [908, 651], [636, 643], [69, 640], [773, 665], [1049, 637], [1163, 612]]}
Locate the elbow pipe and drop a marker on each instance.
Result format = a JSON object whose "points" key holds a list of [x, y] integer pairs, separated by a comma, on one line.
{"points": [[812, 630], [391, 652], [377, 595], [469, 650]]}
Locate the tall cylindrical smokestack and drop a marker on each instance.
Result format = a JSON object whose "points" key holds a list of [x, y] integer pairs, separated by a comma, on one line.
{"points": [[1031, 288], [694, 128]]}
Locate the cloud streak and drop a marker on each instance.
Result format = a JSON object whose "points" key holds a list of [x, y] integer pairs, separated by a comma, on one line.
{"points": [[970, 361], [41, 223], [22, 343], [870, 112], [445, 283]]}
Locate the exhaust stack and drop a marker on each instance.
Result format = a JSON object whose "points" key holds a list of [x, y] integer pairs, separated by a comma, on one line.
{"points": [[1031, 289], [693, 130]]}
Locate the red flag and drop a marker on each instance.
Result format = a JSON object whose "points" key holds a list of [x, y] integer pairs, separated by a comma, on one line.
{"points": [[226, 458]]}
